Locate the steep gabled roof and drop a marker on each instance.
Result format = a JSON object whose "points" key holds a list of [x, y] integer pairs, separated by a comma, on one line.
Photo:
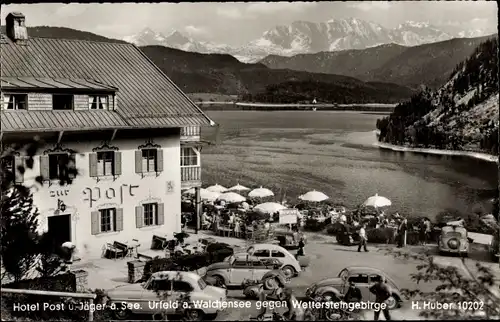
{"points": [[147, 98]]}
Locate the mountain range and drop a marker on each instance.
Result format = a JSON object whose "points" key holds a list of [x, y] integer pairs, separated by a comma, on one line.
{"points": [[308, 37], [428, 64]]}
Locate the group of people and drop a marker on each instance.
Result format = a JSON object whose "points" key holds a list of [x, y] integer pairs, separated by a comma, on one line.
{"points": [[381, 290]]}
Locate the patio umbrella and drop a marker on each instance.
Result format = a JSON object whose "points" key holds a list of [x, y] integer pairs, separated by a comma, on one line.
{"points": [[239, 187], [204, 194], [377, 202], [314, 196], [269, 207], [231, 197], [260, 193], [217, 188]]}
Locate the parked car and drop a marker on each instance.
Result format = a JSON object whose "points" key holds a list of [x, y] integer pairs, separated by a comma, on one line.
{"points": [[333, 289], [286, 238], [291, 266], [495, 248], [237, 269], [453, 240], [136, 298]]}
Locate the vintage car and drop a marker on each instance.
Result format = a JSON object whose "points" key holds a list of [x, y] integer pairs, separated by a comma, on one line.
{"points": [[234, 271], [291, 266], [287, 239], [333, 289], [137, 298], [495, 248], [453, 240]]}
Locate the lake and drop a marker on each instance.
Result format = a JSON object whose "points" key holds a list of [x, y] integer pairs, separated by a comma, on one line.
{"points": [[292, 152]]}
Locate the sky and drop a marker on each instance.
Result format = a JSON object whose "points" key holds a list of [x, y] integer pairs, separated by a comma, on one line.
{"points": [[239, 23]]}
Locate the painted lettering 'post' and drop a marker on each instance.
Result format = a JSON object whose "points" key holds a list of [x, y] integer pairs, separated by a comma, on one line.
{"points": [[89, 193]]}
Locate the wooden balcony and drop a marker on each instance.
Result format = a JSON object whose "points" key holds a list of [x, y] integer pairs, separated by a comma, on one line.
{"points": [[190, 177], [191, 134]]}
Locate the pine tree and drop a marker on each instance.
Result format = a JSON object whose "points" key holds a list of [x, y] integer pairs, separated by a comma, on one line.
{"points": [[19, 233]]}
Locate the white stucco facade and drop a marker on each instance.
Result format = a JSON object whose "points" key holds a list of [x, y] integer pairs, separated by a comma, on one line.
{"points": [[87, 194]]}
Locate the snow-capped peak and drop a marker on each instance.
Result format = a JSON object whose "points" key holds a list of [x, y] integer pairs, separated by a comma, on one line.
{"points": [[301, 37]]}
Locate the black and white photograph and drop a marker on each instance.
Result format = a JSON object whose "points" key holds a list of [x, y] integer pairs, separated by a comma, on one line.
{"points": [[250, 161]]}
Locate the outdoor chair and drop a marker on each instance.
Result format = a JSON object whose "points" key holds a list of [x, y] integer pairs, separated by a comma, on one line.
{"points": [[133, 248], [113, 252], [158, 243], [123, 248]]}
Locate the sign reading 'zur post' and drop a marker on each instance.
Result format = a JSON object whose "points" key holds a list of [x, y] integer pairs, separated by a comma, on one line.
{"points": [[288, 216], [95, 194]]}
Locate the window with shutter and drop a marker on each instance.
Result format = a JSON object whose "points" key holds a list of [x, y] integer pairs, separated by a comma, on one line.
{"points": [[58, 165], [107, 220], [105, 163], [150, 213], [149, 160]]}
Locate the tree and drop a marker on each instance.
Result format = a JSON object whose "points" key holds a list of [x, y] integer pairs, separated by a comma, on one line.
{"points": [[475, 294], [19, 234], [20, 247]]}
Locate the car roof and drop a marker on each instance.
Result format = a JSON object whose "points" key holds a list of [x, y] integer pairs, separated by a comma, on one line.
{"points": [[364, 269], [269, 246], [175, 275], [368, 270]]}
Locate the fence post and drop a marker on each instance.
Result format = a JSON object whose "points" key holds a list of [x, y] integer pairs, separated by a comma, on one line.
{"points": [[91, 311], [404, 242]]}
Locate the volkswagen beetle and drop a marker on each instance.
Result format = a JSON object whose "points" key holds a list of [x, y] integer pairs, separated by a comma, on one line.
{"points": [[453, 240]]}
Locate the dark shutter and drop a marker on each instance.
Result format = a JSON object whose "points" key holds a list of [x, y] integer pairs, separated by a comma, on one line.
{"points": [[72, 165], [139, 217], [45, 167], [119, 219], [93, 164], [94, 221], [117, 164], [159, 160], [138, 161], [161, 214], [19, 162]]}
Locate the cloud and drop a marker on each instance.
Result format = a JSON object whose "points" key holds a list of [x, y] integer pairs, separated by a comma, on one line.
{"points": [[231, 13], [193, 30], [274, 7], [370, 5]]}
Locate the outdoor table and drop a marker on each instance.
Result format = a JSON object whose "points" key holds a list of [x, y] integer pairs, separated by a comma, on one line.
{"points": [[133, 246]]}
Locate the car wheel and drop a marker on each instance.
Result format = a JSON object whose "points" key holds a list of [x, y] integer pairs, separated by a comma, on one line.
{"points": [[289, 271], [392, 303], [219, 281], [121, 314], [194, 315]]}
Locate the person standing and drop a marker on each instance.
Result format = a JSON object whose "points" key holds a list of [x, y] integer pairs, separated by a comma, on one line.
{"points": [[362, 238], [382, 292], [428, 230], [402, 232]]}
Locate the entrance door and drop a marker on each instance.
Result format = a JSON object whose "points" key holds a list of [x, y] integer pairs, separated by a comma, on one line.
{"points": [[60, 229]]}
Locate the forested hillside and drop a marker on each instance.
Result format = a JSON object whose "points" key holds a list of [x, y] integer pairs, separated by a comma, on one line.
{"points": [[461, 115]]}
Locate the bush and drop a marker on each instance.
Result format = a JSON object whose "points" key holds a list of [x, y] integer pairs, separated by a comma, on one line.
{"points": [[381, 235], [312, 224], [332, 229], [59, 283]]}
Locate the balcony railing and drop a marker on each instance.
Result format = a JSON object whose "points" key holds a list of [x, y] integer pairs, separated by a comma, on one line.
{"points": [[190, 133], [191, 173]]}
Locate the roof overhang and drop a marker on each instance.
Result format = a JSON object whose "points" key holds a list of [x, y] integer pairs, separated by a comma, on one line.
{"points": [[35, 84]]}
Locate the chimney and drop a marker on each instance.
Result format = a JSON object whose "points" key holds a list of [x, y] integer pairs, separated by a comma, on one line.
{"points": [[16, 27]]}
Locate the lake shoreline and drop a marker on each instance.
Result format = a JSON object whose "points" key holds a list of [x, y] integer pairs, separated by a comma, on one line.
{"points": [[241, 106], [470, 154]]}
